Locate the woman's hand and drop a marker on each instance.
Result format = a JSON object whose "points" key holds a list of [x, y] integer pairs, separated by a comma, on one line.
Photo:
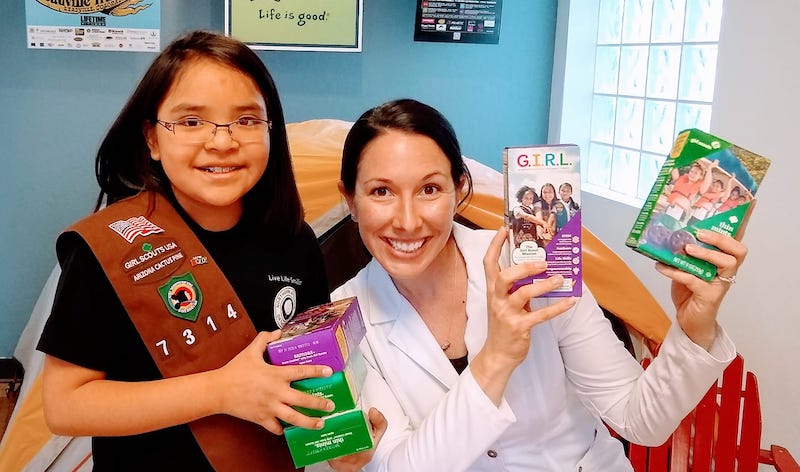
{"points": [[355, 462], [510, 317], [259, 392], [697, 301]]}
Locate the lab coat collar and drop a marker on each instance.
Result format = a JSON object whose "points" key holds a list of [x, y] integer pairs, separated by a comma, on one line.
{"points": [[406, 331]]}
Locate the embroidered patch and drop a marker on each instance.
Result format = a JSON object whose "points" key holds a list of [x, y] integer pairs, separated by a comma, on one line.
{"points": [[284, 305], [155, 260], [135, 226], [199, 260], [182, 296]]}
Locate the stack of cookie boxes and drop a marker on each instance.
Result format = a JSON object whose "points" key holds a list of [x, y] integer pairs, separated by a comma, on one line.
{"points": [[327, 334]]}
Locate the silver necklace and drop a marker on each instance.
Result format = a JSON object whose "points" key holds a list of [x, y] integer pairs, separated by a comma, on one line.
{"points": [[446, 344]]}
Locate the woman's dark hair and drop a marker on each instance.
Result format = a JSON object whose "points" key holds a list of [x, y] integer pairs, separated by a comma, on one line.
{"points": [[124, 167], [410, 116], [525, 189]]}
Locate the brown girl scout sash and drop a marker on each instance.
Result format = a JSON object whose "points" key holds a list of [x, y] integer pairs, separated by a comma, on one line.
{"points": [[186, 313]]}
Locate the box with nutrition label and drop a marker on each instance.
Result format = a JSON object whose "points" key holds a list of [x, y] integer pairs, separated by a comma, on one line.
{"points": [[705, 183]]}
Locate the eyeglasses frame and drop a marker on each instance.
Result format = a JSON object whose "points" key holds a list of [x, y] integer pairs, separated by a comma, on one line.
{"points": [[170, 125]]}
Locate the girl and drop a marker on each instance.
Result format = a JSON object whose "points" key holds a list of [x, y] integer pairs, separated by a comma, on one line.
{"points": [[545, 210], [707, 203], [169, 295], [686, 187], [565, 192], [525, 223]]}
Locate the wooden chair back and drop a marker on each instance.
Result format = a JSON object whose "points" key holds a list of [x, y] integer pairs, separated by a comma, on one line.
{"points": [[723, 433]]}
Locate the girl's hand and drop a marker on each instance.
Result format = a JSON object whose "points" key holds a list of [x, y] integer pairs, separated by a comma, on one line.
{"points": [[355, 462], [260, 392], [697, 301]]}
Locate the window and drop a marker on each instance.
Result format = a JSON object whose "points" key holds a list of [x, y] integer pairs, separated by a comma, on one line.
{"points": [[654, 69]]}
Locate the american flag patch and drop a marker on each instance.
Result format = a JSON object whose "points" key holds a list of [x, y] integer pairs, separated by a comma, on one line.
{"points": [[135, 226]]}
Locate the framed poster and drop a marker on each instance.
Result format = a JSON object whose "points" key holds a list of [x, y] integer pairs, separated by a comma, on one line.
{"points": [[465, 21], [98, 25], [296, 25]]}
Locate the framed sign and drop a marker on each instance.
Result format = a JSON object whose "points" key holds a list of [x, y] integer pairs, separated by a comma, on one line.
{"points": [[296, 25], [465, 21]]}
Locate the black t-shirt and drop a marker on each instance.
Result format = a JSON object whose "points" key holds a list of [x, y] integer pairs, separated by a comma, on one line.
{"points": [[88, 326]]}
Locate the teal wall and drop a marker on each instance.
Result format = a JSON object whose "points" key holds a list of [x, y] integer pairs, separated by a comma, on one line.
{"points": [[56, 105]]}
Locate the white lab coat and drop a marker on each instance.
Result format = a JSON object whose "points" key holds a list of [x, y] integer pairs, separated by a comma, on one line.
{"points": [[576, 373]]}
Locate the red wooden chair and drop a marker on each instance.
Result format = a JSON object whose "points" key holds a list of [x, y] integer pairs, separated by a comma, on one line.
{"points": [[722, 434]]}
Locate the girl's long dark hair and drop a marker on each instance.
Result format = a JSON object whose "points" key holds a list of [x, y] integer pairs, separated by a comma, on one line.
{"points": [[123, 165]]}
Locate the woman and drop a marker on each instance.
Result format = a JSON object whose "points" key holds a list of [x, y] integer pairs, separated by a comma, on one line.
{"points": [[169, 295], [472, 377]]}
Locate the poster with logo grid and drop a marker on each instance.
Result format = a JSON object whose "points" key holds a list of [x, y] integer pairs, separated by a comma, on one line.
{"points": [[97, 25], [465, 21]]}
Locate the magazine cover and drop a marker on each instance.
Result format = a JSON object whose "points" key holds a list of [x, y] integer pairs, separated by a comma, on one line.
{"points": [[543, 211], [705, 183]]}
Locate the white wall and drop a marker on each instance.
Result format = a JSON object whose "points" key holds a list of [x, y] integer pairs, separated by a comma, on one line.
{"points": [[756, 106]]}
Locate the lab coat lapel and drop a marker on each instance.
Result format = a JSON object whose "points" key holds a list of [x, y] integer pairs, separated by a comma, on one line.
{"points": [[406, 330]]}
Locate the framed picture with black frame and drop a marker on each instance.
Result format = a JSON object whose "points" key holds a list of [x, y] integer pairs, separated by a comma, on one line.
{"points": [[296, 25], [465, 21]]}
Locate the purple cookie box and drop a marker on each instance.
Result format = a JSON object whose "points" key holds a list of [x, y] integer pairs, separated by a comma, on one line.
{"points": [[322, 335]]}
